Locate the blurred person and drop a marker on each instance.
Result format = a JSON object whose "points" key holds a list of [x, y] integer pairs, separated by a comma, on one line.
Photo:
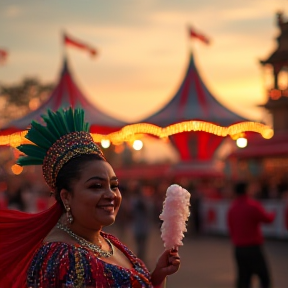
{"points": [[3, 195], [286, 217], [254, 190], [65, 246], [285, 198], [15, 199], [245, 216], [273, 190], [196, 210], [141, 216], [29, 198]]}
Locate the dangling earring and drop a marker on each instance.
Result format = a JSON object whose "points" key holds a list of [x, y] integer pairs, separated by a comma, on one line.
{"points": [[68, 215]]}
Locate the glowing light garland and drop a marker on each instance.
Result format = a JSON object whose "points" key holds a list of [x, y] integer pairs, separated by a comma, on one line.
{"points": [[129, 131]]}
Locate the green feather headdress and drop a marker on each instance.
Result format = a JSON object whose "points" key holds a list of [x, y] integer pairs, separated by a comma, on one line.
{"points": [[66, 135]]}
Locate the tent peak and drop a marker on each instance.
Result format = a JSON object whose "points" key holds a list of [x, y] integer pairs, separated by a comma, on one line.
{"points": [[65, 65], [191, 55]]}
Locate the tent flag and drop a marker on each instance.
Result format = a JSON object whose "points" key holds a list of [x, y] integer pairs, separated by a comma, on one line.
{"points": [[3, 56], [195, 34], [79, 44]]}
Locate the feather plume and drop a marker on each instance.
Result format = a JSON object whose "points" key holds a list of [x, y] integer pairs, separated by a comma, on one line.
{"points": [[58, 124]]}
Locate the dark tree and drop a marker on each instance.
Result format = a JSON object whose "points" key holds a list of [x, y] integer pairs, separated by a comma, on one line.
{"points": [[19, 99]]}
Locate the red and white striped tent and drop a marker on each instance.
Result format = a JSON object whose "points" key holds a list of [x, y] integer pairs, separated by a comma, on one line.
{"points": [[193, 101], [66, 94]]}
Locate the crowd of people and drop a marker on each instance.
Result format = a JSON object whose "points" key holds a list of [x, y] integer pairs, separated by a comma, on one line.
{"points": [[33, 195]]}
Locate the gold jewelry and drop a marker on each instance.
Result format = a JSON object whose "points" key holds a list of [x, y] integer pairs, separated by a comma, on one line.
{"points": [[68, 214], [95, 248]]}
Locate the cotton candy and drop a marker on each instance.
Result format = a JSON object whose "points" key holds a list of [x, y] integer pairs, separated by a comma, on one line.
{"points": [[175, 213]]}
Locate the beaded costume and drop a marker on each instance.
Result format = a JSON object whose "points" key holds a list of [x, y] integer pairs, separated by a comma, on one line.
{"points": [[58, 264]]}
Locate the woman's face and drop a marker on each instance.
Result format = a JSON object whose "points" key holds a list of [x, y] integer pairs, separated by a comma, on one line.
{"points": [[95, 199]]}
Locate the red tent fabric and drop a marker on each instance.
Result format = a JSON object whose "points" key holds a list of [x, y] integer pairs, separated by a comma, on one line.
{"points": [[193, 101], [67, 94]]}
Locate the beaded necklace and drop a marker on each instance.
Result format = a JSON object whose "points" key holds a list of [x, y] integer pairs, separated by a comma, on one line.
{"points": [[95, 248]]}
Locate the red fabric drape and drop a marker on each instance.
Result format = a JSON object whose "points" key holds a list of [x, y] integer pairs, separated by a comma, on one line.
{"points": [[20, 235], [204, 147], [180, 141]]}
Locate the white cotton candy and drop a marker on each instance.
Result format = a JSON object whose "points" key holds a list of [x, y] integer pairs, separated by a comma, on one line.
{"points": [[174, 215]]}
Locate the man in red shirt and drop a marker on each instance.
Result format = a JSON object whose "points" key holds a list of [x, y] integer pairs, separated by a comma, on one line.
{"points": [[245, 216]]}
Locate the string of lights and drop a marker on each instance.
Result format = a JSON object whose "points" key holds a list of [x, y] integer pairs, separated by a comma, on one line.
{"points": [[128, 132]]}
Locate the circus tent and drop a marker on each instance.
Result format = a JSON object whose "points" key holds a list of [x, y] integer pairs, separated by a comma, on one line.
{"points": [[194, 101], [66, 94]]}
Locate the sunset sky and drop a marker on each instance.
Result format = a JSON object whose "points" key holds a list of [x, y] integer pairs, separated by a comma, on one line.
{"points": [[143, 49]]}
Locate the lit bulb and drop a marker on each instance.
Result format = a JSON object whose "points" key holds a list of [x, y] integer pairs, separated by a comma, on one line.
{"points": [[241, 142], [105, 143], [16, 169], [137, 144]]}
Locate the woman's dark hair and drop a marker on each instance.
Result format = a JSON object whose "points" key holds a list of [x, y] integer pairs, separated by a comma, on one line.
{"points": [[71, 171]]}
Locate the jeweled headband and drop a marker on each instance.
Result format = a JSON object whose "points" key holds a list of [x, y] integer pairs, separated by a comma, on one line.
{"points": [[64, 137], [67, 147]]}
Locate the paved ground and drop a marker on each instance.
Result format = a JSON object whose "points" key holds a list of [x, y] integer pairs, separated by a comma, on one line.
{"points": [[207, 262]]}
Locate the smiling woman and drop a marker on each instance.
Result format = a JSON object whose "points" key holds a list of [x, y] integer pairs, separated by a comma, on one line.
{"points": [[65, 245]]}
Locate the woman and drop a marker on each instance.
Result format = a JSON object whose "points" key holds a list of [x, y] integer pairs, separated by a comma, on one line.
{"points": [[75, 252]]}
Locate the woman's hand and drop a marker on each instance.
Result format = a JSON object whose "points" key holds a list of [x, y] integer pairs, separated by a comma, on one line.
{"points": [[167, 264]]}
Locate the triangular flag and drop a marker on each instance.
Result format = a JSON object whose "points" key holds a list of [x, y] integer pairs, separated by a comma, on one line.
{"points": [[79, 44], [195, 34], [3, 56]]}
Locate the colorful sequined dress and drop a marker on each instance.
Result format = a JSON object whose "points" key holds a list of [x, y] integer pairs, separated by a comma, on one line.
{"points": [[61, 265]]}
